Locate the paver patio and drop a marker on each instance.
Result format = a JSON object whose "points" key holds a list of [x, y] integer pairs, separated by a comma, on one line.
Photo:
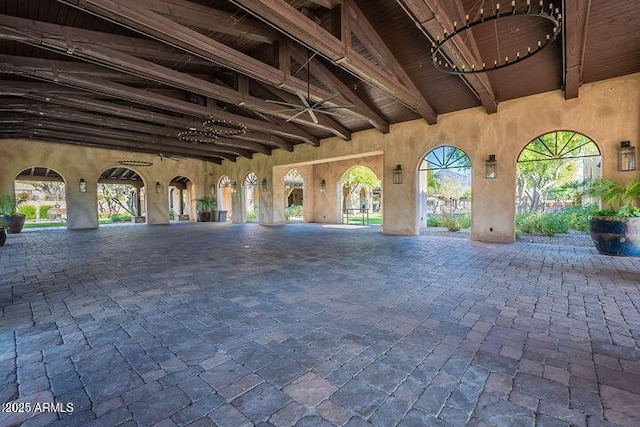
{"points": [[239, 325]]}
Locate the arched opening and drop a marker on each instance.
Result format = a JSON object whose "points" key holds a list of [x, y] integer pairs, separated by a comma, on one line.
{"points": [[180, 199], [225, 194], [360, 197], [251, 197], [40, 194], [445, 189], [121, 196], [294, 196], [552, 173]]}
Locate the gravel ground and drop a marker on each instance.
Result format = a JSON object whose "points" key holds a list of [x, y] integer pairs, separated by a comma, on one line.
{"points": [[572, 238]]}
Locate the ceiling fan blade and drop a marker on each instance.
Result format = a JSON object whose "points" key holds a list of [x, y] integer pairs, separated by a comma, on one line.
{"points": [[304, 100], [327, 99], [288, 104], [313, 116], [296, 115]]}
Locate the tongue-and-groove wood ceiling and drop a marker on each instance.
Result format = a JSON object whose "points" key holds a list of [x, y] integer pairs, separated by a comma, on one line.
{"points": [[131, 75]]}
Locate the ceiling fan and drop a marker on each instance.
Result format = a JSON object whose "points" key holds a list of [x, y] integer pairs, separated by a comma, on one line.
{"points": [[168, 156], [308, 106]]}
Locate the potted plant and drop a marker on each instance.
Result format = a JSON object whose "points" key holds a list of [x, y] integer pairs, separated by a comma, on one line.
{"points": [[616, 230], [11, 221], [204, 207]]}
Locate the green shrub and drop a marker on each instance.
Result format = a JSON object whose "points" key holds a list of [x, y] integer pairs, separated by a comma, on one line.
{"points": [[578, 216], [464, 221], [434, 221], [117, 218], [293, 211], [28, 211], [547, 224], [450, 222], [44, 211], [251, 216]]}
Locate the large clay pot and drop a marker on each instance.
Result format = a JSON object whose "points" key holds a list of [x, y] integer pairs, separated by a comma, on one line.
{"points": [[3, 236], [616, 236], [13, 223]]}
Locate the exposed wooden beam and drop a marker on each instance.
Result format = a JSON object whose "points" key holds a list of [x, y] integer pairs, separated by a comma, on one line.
{"points": [[362, 109], [59, 95], [65, 73], [134, 140], [293, 23], [43, 111], [155, 25], [433, 18], [574, 30], [67, 40]]}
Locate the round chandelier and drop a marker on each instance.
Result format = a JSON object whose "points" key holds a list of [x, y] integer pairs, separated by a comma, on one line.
{"points": [[198, 136], [221, 127], [504, 56]]}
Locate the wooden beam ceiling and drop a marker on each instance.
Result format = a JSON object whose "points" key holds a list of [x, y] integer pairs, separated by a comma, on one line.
{"points": [[576, 16], [433, 18], [302, 29]]}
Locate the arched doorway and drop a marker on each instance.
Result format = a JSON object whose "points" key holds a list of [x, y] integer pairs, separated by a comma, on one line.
{"points": [[552, 173], [360, 197], [121, 196], [225, 196], [251, 197], [180, 198], [444, 176], [294, 196], [40, 194]]}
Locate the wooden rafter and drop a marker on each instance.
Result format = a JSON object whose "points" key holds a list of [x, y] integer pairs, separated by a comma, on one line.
{"points": [[295, 24], [433, 18], [574, 30], [66, 73], [133, 15], [74, 42]]}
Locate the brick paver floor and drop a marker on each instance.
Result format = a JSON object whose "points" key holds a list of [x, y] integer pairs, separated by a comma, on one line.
{"points": [[240, 325]]}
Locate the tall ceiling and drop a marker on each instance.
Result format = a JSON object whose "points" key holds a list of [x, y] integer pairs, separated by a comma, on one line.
{"points": [[131, 75]]}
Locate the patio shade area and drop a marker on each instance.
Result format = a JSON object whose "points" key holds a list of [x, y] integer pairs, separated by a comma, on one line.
{"points": [[238, 325]]}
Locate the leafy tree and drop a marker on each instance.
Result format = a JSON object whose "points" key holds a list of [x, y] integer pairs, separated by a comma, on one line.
{"points": [[359, 177], [53, 190], [547, 167], [115, 198]]}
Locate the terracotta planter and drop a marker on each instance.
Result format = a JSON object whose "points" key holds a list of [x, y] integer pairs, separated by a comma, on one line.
{"points": [[616, 236], [204, 216], [13, 223]]}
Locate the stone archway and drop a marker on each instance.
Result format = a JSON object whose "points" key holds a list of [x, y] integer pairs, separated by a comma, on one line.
{"points": [[360, 196], [122, 196], [555, 157], [40, 194], [250, 197], [444, 182], [294, 196], [180, 196], [225, 196]]}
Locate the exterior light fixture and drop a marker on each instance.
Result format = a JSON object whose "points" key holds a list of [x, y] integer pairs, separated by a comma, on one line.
{"points": [[234, 186], [626, 157], [83, 185], [491, 167], [158, 187], [397, 174], [323, 186], [263, 185]]}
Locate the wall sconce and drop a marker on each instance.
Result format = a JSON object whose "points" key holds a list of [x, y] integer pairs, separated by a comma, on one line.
{"points": [[158, 187], [397, 174], [626, 157], [491, 167], [323, 186], [83, 185], [263, 185], [234, 186]]}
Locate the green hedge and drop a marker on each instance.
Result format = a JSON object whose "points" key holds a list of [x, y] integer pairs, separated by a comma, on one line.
{"points": [[28, 211], [44, 211]]}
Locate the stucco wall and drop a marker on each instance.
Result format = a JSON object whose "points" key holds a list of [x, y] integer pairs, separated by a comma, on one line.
{"points": [[608, 112], [73, 163]]}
